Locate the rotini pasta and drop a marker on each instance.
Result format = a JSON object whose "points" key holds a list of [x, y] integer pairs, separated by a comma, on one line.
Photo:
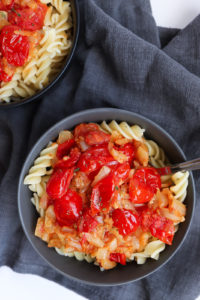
{"points": [[46, 59], [106, 252], [180, 180], [40, 166]]}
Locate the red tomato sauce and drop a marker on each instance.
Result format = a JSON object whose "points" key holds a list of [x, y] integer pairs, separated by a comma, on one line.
{"points": [[109, 209], [19, 20]]}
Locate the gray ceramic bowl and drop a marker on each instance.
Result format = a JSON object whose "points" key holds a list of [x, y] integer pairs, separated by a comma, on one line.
{"points": [[84, 271]]}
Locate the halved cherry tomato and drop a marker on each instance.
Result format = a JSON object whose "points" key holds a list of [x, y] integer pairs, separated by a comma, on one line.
{"points": [[101, 197], [73, 158], [159, 226], [68, 208], [6, 4], [3, 75], [94, 158], [59, 183], [87, 222], [14, 46], [144, 184], [27, 18], [118, 257], [96, 137], [63, 149], [125, 220], [128, 150], [90, 134], [121, 172], [82, 129], [164, 171]]}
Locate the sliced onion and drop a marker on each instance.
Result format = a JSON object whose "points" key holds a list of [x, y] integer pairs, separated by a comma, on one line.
{"points": [[102, 173], [178, 207], [117, 155], [64, 136], [165, 212], [83, 145]]}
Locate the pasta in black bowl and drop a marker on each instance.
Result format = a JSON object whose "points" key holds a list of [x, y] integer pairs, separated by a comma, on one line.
{"points": [[47, 32], [140, 262]]}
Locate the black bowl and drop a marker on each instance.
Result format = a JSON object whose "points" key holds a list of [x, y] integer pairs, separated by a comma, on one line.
{"points": [[66, 62], [84, 271]]}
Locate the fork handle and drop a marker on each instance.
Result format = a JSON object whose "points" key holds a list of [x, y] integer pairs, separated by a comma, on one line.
{"points": [[190, 165]]}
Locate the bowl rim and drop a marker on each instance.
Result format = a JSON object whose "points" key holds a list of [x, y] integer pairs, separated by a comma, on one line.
{"points": [[51, 129], [40, 93]]}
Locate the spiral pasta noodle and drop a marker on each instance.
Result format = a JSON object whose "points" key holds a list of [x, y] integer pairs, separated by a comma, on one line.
{"points": [[48, 57], [78, 255], [156, 154], [40, 166], [179, 189], [152, 250], [129, 132]]}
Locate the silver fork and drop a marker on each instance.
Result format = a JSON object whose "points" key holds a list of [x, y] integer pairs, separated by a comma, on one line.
{"points": [[189, 165]]}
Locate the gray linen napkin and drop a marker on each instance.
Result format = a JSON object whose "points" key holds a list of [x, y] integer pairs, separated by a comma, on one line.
{"points": [[123, 60]]}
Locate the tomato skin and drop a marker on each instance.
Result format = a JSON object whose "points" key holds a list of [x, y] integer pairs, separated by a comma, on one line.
{"points": [[6, 5], [125, 220], [159, 226], [94, 158], [27, 18], [63, 149], [82, 129], [128, 150], [68, 208], [59, 183], [118, 257], [101, 196], [87, 222], [73, 158], [96, 137], [14, 47], [121, 173], [164, 171], [144, 184]]}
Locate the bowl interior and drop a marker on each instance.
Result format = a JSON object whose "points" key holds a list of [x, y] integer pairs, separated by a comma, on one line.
{"points": [[82, 270], [66, 62]]}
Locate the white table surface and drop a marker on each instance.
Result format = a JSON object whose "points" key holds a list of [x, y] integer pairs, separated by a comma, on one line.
{"points": [[167, 13]]}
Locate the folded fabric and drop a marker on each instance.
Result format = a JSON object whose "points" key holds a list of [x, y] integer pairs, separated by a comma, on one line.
{"points": [[123, 60]]}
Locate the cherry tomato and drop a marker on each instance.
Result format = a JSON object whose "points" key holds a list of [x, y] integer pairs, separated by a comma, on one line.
{"points": [[128, 150], [82, 129], [164, 171], [90, 134], [121, 173], [96, 137], [27, 18], [68, 208], [125, 220], [3, 76], [94, 158], [59, 183], [144, 184], [63, 149], [159, 226], [13, 46], [87, 222], [101, 196], [73, 158], [118, 257], [6, 4]]}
